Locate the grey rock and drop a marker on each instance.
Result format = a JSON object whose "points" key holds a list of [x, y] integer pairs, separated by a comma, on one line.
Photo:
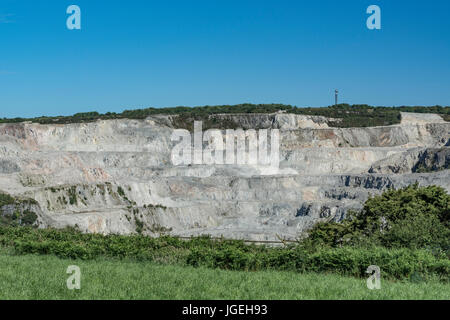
{"points": [[7, 166], [111, 176]]}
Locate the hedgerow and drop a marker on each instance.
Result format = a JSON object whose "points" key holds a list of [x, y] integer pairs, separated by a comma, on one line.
{"points": [[227, 254], [395, 263]]}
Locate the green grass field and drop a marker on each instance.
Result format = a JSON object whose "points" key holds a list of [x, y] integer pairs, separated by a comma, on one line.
{"points": [[44, 277]]}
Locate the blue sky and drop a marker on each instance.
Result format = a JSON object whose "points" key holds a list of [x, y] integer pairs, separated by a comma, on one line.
{"points": [[133, 54]]}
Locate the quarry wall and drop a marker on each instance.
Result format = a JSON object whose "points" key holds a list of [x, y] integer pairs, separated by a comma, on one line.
{"points": [[116, 176]]}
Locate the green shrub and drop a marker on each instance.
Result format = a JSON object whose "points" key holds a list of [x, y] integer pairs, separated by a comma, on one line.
{"points": [[413, 217], [120, 191], [28, 218], [73, 199], [6, 199]]}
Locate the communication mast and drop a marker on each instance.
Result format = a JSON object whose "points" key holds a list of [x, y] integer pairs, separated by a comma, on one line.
{"points": [[336, 97]]}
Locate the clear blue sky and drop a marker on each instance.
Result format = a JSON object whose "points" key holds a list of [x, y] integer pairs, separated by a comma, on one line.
{"points": [[132, 54]]}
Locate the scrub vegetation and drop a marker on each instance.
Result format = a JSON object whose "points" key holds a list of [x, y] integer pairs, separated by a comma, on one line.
{"points": [[346, 115]]}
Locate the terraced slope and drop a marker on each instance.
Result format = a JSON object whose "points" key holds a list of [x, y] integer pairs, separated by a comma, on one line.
{"points": [[116, 176]]}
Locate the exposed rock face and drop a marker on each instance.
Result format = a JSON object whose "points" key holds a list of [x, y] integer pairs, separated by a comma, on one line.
{"points": [[414, 160], [433, 160], [21, 213], [116, 176], [275, 121]]}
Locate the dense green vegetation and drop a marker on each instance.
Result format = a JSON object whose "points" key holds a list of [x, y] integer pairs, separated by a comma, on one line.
{"points": [[413, 217], [44, 277], [6, 199], [348, 115]]}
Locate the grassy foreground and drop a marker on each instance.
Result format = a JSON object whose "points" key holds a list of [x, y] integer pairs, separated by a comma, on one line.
{"points": [[44, 277]]}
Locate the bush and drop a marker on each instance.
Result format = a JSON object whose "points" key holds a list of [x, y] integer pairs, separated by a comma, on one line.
{"points": [[413, 217], [120, 191], [394, 263], [6, 199]]}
